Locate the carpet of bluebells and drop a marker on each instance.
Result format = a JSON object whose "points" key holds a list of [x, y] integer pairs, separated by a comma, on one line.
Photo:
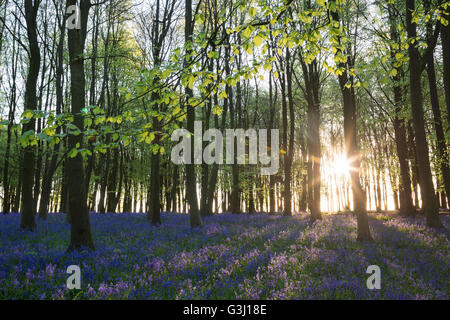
{"points": [[232, 257]]}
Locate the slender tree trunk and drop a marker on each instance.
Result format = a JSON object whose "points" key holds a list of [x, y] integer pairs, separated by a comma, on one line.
{"points": [[215, 168], [304, 192], [174, 189], [63, 204], [235, 113], [445, 39], [81, 235], [440, 136], [31, 10], [12, 110], [351, 147], [406, 203], [154, 212], [48, 176], [312, 87], [18, 193], [92, 96], [430, 205], [269, 137], [289, 147], [104, 181], [414, 170], [204, 208], [111, 202], [191, 185], [6, 197]]}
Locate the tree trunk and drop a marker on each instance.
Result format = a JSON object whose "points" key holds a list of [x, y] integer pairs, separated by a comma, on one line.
{"points": [[272, 98], [430, 205], [111, 202], [12, 110], [204, 208], [312, 87], [48, 176], [351, 147], [289, 145], [191, 185], [31, 10], [438, 127], [445, 39], [18, 193], [405, 194], [154, 212], [81, 235]]}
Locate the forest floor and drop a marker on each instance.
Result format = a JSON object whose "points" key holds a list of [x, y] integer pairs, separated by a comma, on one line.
{"points": [[232, 257]]}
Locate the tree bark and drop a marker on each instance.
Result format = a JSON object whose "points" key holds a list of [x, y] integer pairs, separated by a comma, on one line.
{"points": [[154, 212], [48, 177], [12, 109], [351, 147], [438, 127], [445, 39], [430, 205], [81, 235], [405, 193], [191, 184], [312, 87], [31, 10], [289, 145]]}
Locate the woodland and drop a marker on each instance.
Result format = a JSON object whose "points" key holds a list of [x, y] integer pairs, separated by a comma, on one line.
{"points": [[92, 92]]}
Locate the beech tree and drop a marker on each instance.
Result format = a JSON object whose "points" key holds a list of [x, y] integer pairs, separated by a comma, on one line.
{"points": [[81, 235], [416, 67], [31, 11]]}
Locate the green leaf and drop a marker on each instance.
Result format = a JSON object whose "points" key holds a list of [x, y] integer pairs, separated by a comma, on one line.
{"points": [[257, 41], [73, 153]]}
